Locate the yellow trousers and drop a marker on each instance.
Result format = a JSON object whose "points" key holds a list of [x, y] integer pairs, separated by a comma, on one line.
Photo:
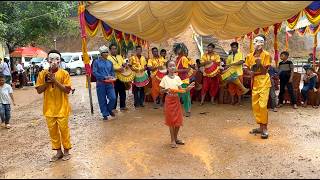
{"points": [[260, 97], [56, 124]]}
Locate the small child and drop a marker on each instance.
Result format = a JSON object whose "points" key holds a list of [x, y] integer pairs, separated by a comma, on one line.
{"points": [[171, 85], [310, 80], [6, 93]]}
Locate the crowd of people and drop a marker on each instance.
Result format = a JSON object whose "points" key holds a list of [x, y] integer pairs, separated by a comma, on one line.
{"points": [[173, 83]]}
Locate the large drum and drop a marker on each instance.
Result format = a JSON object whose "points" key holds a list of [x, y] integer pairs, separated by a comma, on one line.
{"points": [[211, 69], [141, 79], [161, 73], [127, 75], [229, 75]]}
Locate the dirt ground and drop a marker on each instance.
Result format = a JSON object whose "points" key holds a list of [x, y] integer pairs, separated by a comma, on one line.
{"points": [[136, 144]]}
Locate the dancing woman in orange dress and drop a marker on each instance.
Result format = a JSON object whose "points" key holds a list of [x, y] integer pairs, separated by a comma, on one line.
{"points": [[171, 85]]}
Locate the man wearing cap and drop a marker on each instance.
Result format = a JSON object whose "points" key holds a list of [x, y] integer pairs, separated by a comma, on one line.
{"points": [[259, 62], [103, 70]]}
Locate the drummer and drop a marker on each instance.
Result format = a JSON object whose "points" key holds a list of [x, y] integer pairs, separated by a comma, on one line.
{"points": [[103, 69], [210, 81], [163, 53], [154, 64], [119, 86], [138, 63], [183, 68], [235, 60]]}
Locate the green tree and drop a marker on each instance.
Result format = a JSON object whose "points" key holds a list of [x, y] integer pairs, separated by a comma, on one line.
{"points": [[26, 22]]}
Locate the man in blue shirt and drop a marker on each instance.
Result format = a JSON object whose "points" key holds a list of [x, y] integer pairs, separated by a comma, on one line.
{"points": [[103, 70]]}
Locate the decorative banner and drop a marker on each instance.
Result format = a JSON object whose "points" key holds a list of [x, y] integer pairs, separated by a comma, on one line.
{"points": [[276, 29], [312, 12], [92, 24], [292, 22], [256, 32], [134, 39], [127, 38], [250, 35], [302, 31], [107, 31], [289, 34], [266, 30], [312, 29]]}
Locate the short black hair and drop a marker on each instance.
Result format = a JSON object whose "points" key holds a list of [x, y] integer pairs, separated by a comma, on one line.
{"points": [[163, 50], [167, 63], [138, 47], [2, 76], [286, 53], [234, 44], [212, 45], [198, 61], [263, 36], [54, 51], [154, 48], [110, 46]]}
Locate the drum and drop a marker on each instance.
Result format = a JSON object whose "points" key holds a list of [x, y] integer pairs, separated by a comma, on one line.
{"points": [[211, 69], [229, 75], [161, 73], [141, 79], [127, 75]]}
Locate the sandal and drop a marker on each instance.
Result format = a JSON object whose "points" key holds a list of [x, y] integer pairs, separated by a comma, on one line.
{"points": [[264, 135], [56, 158], [173, 145], [255, 131], [180, 142], [66, 157]]}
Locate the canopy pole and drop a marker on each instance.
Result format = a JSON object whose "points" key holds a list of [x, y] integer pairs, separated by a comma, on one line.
{"points": [[315, 44], [86, 59]]}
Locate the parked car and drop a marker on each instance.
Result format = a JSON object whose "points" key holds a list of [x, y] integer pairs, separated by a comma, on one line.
{"points": [[74, 62]]}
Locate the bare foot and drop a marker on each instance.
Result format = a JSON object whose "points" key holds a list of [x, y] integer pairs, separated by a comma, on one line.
{"points": [[66, 155], [173, 145]]}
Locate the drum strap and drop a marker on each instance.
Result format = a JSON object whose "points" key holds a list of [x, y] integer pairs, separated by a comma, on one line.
{"points": [[115, 58]]}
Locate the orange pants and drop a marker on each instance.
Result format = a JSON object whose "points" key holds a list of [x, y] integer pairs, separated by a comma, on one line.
{"points": [[155, 90], [234, 89]]}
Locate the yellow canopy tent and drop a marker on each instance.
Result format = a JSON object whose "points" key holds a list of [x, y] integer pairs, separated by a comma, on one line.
{"points": [[160, 20]]}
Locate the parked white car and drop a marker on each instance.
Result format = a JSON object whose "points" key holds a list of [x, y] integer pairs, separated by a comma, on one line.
{"points": [[74, 62]]}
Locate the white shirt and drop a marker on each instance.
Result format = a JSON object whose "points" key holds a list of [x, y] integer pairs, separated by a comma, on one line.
{"points": [[6, 70], [20, 68], [5, 90], [168, 82]]}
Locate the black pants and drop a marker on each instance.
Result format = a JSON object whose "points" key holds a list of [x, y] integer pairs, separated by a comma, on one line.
{"points": [[138, 93], [284, 81], [120, 90]]}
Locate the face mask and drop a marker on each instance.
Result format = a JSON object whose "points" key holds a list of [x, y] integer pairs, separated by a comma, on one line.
{"points": [[258, 43], [54, 60]]}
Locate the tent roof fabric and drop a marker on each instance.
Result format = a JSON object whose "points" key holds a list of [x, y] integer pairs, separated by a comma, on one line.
{"points": [[157, 21]]}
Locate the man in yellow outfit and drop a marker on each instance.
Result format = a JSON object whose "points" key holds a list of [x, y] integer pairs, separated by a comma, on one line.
{"points": [[55, 83], [154, 64], [259, 62]]}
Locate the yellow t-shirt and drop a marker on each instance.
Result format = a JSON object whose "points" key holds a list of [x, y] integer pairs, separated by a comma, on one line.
{"points": [[55, 102], [214, 58], [168, 82], [185, 64], [234, 59], [260, 81], [138, 64], [154, 62], [117, 62]]}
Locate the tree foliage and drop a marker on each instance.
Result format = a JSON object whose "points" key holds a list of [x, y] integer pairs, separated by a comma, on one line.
{"points": [[26, 22]]}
